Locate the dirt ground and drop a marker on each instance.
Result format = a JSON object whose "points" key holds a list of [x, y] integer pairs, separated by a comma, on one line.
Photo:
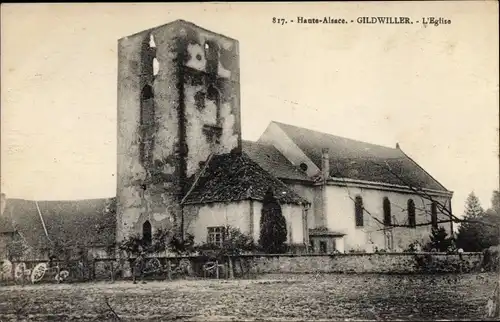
{"points": [[270, 297]]}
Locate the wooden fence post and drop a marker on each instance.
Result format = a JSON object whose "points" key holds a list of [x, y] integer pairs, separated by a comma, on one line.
{"points": [[58, 271], [22, 279], [231, 269], [169, 270]]}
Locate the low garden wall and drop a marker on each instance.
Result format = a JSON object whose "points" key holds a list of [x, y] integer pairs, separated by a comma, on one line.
{"points": [[251, 265], [395, 263]]}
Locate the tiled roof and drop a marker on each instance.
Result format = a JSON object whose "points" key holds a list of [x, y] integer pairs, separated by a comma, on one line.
{"points": [[358, 160], [6, 225], [75, 222], [271, 160], [236, 177]]}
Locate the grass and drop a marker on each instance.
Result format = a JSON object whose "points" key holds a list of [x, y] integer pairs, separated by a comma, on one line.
{"points": [[270, 297]]}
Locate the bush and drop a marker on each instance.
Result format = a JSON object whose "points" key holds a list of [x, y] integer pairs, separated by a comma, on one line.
{"points": [[439, 240], [235, 243], [181, 246], [491, 259], [413, 247]]}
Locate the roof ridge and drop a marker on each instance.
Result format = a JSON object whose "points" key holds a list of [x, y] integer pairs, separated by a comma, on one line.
{"points": [[333, 135]]}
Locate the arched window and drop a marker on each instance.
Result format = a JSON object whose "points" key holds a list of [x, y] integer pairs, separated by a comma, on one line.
{"points": [[212, 106], [434, 219], [147, 93], [147, 233], [411, 213], [358, 211], [387, 211]]}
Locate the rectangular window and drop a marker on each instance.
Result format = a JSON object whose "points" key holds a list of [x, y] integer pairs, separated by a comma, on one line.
{"points": [[215, 235]]}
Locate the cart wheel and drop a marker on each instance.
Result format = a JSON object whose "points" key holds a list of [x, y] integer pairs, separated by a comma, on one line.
{"points": [[153, 265], [19, 271], [6, 269], [38, 272], [62, 276]]}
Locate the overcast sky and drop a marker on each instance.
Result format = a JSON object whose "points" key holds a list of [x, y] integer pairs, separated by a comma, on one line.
{"points": [[434, 90]]}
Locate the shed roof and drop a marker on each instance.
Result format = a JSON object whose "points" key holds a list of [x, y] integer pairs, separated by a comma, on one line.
{"points": [[236, 177], [75, 222], [271, 160]]}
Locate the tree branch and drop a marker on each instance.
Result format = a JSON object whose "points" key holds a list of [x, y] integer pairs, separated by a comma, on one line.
{"points": [[426, 196], [115, 315], [423, 195]]}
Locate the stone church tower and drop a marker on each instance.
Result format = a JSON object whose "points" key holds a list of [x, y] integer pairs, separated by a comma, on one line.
{"points": [[178, 104]]}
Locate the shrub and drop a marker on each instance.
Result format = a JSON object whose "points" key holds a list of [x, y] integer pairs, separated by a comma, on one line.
{"points": [[413, 247], [234, 243], [180, 245], [439, 240], [491, 259]]}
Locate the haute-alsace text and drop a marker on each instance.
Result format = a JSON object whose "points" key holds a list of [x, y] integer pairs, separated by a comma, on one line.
{"points": [[307, 20]]}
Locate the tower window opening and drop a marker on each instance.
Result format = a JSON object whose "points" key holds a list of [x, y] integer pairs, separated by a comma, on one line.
{"points": [[212, 57], [147, 93], [214, 105], [147, 233], [147, 124]]}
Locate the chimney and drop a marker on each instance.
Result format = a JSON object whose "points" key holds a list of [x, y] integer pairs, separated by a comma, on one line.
{"points": [[325, 169], [325, 163], [397, 145], [3, 203]]}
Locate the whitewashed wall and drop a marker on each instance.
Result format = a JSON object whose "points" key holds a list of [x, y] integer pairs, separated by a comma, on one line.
{"points": [[244, 215], [341, 217]]}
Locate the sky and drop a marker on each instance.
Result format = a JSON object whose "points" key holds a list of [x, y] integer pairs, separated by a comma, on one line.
{"points": [[434, 90]]}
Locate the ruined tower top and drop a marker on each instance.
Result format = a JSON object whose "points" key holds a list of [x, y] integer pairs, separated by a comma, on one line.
{"points": [[180, 22]]}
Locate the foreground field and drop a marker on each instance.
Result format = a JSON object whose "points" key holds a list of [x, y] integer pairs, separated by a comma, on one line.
{"points": [[271, 297]]}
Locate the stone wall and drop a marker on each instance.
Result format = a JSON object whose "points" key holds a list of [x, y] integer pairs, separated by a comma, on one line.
{"points": [[245, 266], [396, 263]]}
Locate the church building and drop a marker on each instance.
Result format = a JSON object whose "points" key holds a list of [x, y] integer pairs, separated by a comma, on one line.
{"points": [[182, 163]]}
